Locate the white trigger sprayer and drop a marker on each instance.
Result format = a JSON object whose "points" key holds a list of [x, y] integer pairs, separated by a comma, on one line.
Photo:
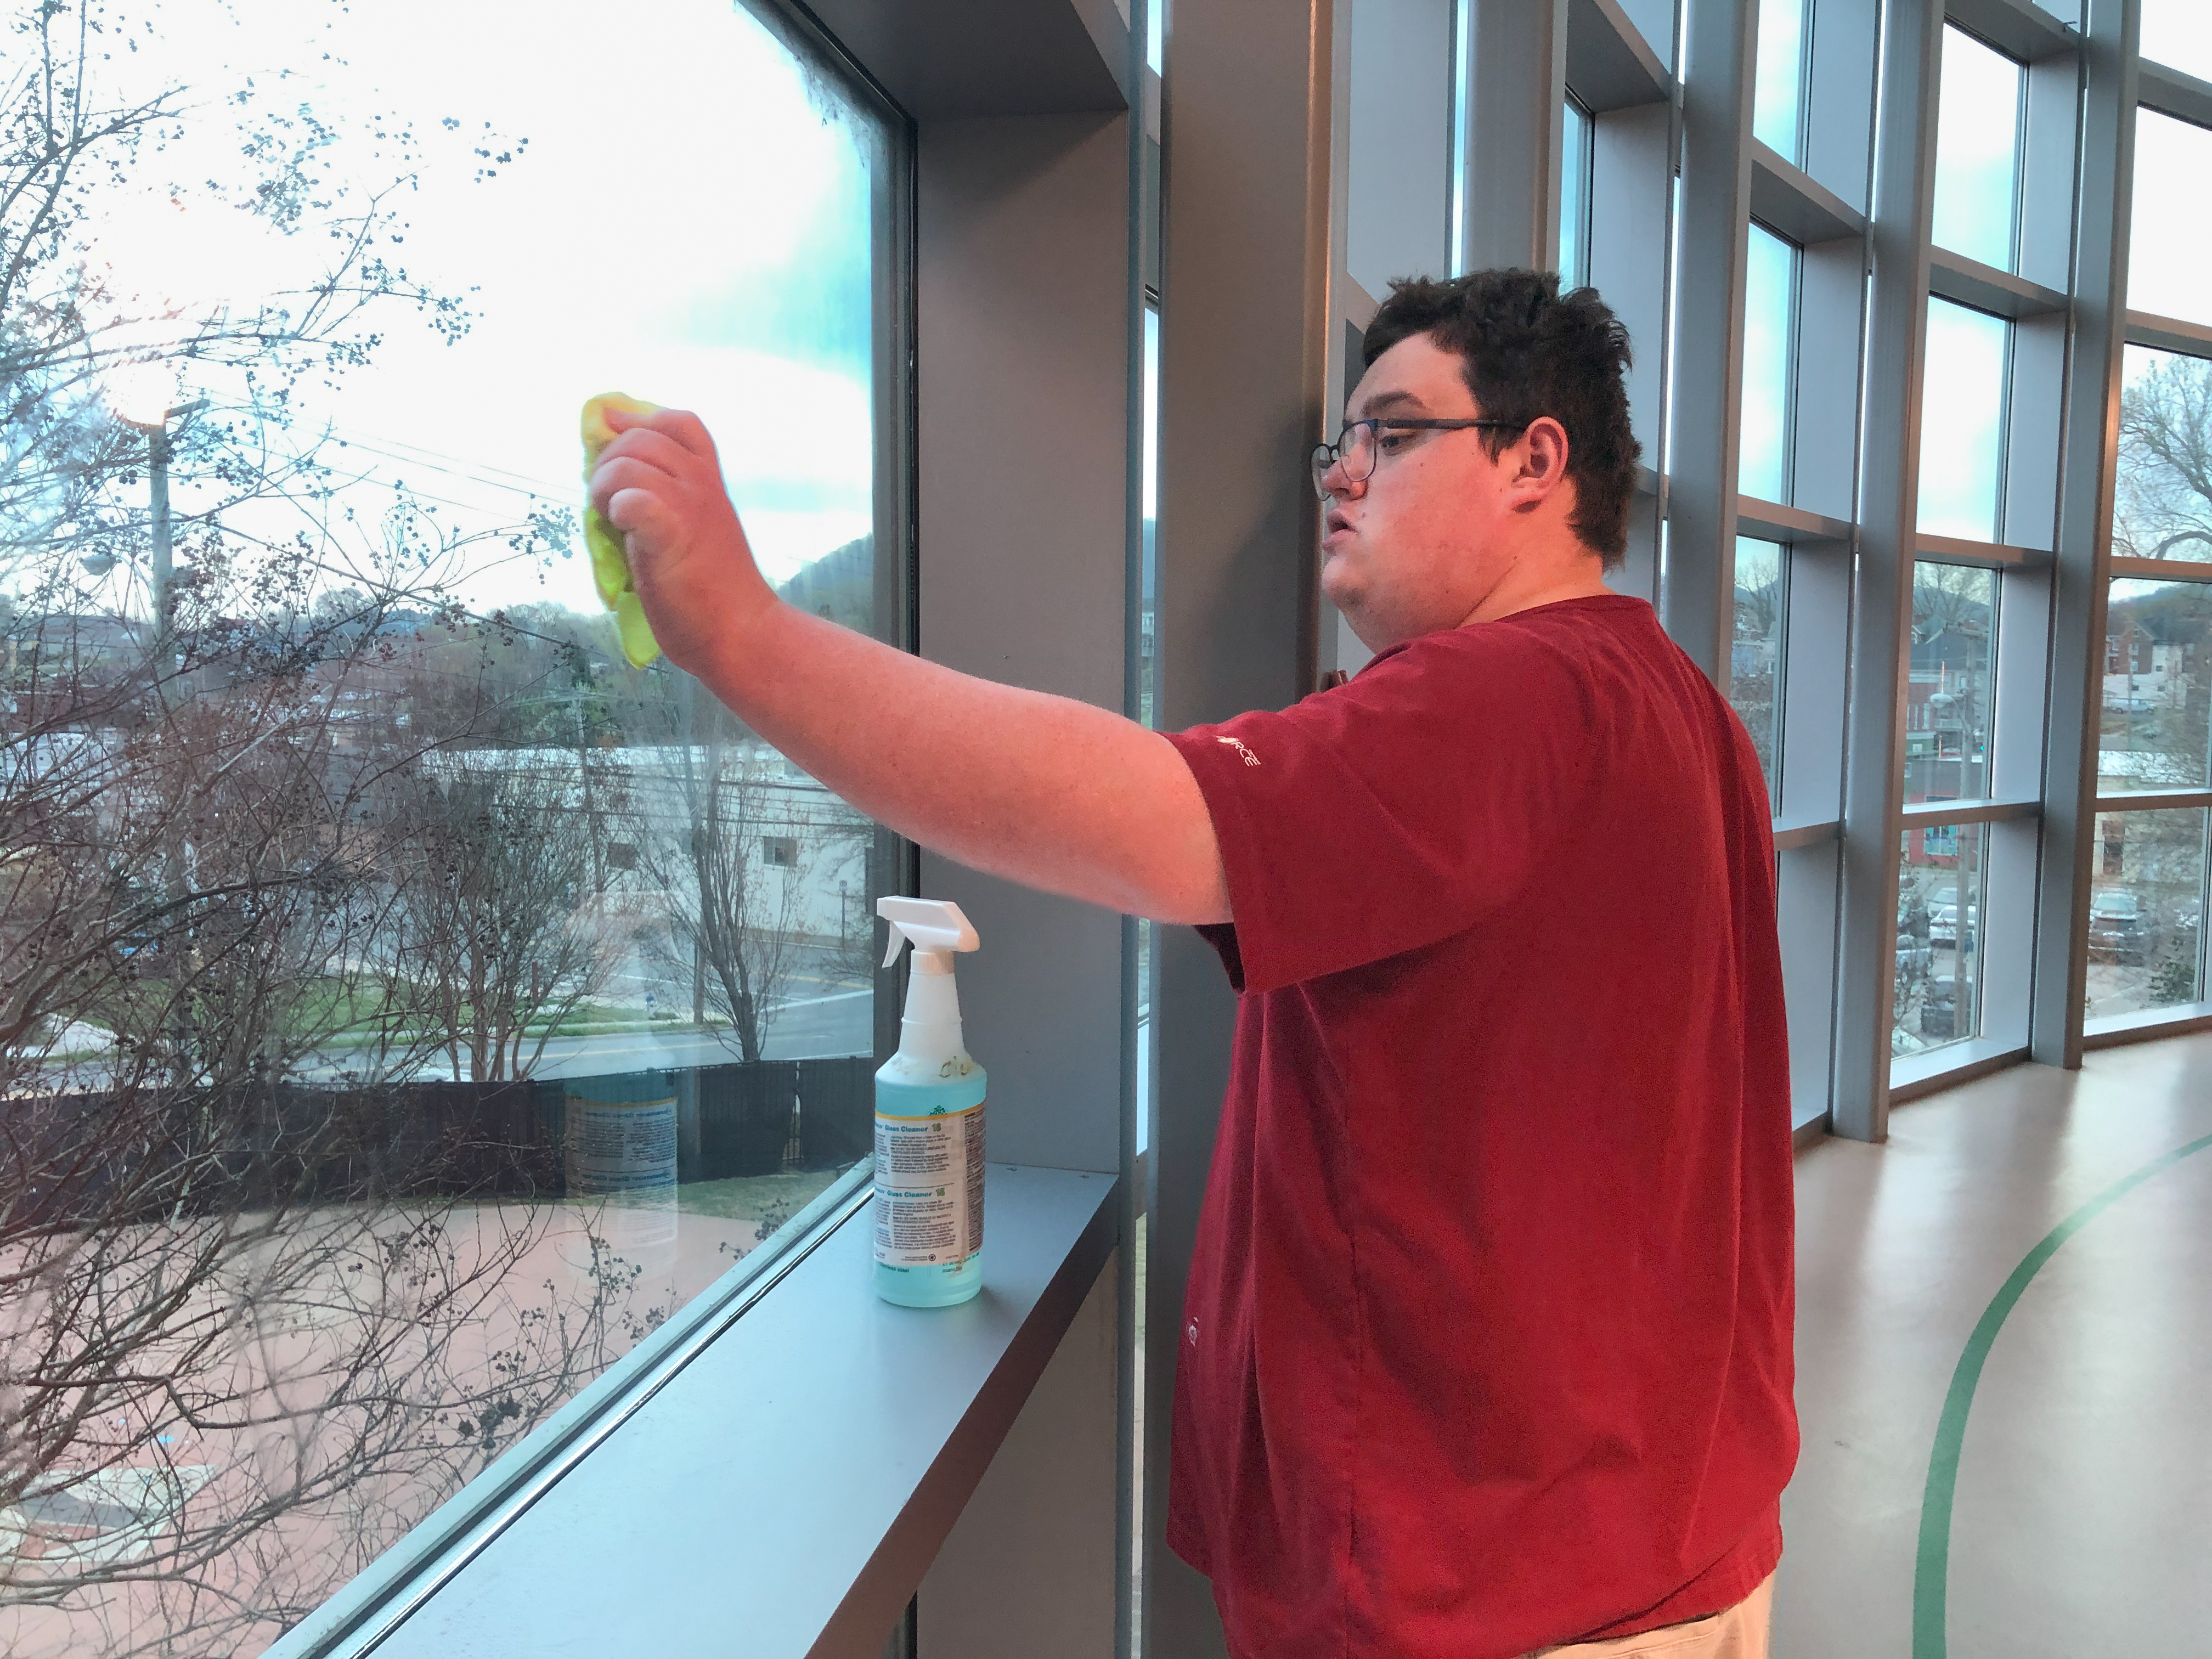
{"points": [[929, 1122]]}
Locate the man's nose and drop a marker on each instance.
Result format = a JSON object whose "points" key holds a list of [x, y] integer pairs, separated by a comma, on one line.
{"points": [[1334, 484]]}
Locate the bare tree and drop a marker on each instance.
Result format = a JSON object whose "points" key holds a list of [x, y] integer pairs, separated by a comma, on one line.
{"points": [[2163, 503], [502, 933], [734, 866], [266, 1297]]}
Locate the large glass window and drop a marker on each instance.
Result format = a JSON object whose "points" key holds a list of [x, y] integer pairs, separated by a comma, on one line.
{"points": [[1950, 683], [2170, 249], [1778, 96], [2157, 686], [2145, 920], [2179, 33], [1937, 994], [410, 1003], [2162, 496], [1978, 150], [1962, 422], [1755, 651], [1769, 332]]}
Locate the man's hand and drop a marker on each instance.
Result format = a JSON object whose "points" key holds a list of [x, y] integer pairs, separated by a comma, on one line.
{"points": [[660, 484], [1042, 790]]}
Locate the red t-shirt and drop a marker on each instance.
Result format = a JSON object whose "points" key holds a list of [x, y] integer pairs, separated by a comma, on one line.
{"points": [[1487, 1342]]}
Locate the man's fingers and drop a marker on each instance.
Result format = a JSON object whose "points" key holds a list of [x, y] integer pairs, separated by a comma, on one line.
{"points": [[616, 473], [688, 431], [633, 510], [655, 449]]}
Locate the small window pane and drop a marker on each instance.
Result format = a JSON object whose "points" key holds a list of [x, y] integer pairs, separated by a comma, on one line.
{"points": [[1947, 695], [2179, 34], [2146, 911], [1777, 106], [1755, 653], [1769, 341], [1962, 422], [1976, 150], [2171, 251], [2158, 648], [1939, 937], [1575, 197], [2162, 498]]}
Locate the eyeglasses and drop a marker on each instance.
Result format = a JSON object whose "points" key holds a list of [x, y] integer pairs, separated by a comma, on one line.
{"points": [[1361, 441]]}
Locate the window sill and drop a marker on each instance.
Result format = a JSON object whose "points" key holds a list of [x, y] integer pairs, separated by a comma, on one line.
{"points": [[2116, 1029], [793, 1481], [1915, 1075]]}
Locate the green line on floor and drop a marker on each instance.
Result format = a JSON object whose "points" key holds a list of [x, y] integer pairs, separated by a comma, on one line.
{"points": [[1931, 1577]]}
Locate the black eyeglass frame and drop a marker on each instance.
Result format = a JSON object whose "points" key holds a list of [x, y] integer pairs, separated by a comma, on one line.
{"points": [[1326, 455]]}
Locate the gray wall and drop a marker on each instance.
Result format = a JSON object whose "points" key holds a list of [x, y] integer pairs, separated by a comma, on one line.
{"points": [[1022, 357]]}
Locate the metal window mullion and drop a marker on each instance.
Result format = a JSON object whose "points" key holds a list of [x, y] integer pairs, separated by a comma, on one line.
{"points": [[2089, 435], [1511, 108], [1924, 813], [1896, 343], [1697, 580]]}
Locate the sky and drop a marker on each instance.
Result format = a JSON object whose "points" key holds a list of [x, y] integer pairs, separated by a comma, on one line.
{"points": [[684, 224], [1977, 142]]}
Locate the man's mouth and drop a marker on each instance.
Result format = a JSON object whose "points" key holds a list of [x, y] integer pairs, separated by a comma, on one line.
{"points": [[1335, 521]]}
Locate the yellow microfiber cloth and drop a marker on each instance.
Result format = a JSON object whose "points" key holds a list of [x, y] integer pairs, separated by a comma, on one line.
{"points": [[609, 562]]}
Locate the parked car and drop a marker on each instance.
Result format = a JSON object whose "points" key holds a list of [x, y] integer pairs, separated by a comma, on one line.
{"points": [[2116, 928], [1943, 927], [1914, 959]]}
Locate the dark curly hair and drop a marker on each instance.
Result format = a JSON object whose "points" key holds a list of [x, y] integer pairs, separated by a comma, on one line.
{"points": [[1530, 351]]}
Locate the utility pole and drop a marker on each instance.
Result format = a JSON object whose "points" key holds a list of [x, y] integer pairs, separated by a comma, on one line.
{"points": [[160, 447]]}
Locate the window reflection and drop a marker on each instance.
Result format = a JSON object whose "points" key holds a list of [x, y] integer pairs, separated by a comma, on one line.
{"points": [[2152, 733], [1950, 683], [1978, 150], [1770, 328], [1936, 998], [418, 1004], [2170, 247], [2145, 920], [1962, 422], [1777, 105], [1755, 650]]}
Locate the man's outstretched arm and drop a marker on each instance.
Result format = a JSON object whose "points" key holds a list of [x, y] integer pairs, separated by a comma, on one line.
{"points": [[1042, 790]]}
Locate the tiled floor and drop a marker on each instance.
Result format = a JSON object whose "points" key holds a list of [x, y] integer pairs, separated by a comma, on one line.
{"points": [[2081, 1525]]}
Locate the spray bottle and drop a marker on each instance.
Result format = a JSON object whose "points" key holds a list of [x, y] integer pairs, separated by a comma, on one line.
{"points": [[929, 1123]]}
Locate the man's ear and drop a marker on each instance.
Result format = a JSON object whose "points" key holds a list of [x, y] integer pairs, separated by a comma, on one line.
{"points": [[1543, 463]]}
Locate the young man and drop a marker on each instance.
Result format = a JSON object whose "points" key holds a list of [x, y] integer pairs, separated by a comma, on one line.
{"points": [[1487, 1340]]}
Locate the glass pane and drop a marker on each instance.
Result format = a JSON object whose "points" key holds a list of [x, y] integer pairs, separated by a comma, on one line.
{"points": [[1939, 948], [2170, 252], [1756, 653], [2158, 645], [434, 1002], [2162, 498], [2147, 911], [1769, 342], [1962, 422], [1778, 103], [1574, 198], [1976, 150], [2179, 34], [1947, 695]]}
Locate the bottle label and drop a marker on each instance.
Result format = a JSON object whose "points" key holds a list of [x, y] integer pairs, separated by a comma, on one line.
{"points": [[929, 1188]]}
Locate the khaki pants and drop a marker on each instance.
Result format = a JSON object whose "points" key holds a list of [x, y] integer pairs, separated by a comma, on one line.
{"points": [[1738, 1633]]}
